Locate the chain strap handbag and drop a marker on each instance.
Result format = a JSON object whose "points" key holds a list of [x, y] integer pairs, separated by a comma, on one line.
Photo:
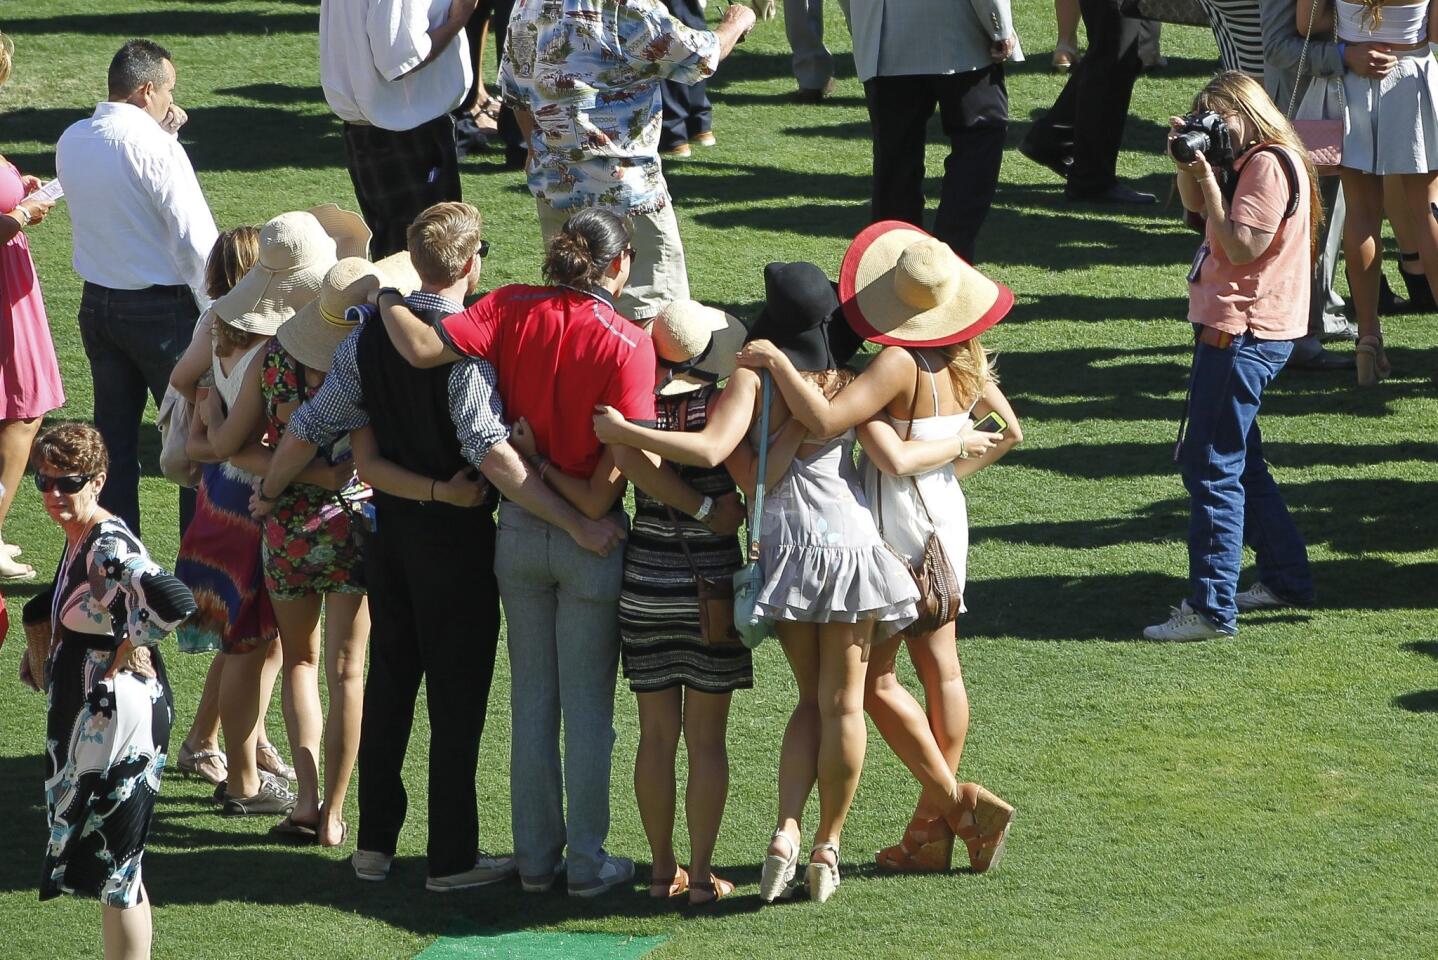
{"points": [[749, 579], [1312, 117], [939, 593]]}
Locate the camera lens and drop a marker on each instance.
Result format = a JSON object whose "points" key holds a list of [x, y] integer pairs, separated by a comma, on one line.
{"points": [[1187, 146]]}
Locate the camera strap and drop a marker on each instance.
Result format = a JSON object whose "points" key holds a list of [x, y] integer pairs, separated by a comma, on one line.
{"points": [[1290, 173]]}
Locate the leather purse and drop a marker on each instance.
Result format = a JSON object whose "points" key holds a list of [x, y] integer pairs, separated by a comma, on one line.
{"points": [[716, 598], [749, 579], [939, 593], [1321, 133], [173, 421]]}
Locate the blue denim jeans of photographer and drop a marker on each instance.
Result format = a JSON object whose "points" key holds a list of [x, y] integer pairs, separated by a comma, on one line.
{"points": [[133, 339], [561, 610], [1233, 498]]}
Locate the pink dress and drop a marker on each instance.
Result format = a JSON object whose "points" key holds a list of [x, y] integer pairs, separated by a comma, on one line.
{"points": [[29, 376]]}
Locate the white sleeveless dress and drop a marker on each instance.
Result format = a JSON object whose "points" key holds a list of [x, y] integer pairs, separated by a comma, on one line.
{"points": [[897, 510]]}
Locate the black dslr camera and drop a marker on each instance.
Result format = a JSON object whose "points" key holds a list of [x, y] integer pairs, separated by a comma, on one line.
{"points": [[1204, 133]]}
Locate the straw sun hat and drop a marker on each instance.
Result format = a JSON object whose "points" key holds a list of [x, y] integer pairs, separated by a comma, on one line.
{"points": [[695, 344], [902, 287], [317, 328], [295, 254]]}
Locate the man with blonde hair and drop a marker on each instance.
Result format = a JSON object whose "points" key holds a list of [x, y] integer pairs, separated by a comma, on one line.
{"points": [[434, 603]]}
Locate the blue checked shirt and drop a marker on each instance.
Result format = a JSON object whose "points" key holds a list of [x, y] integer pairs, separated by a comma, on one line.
{"points": [[474, 404]]}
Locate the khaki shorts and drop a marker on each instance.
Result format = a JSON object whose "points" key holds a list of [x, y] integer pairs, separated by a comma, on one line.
{"points": [[658, 275]]}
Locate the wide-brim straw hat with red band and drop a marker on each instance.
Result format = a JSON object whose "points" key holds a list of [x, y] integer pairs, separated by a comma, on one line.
{"points": [[313, 333], [901, 287]]}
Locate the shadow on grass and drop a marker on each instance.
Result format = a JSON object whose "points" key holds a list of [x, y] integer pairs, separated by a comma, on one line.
{"points": [[161, 23], [1420, 701], [1428, 648]]}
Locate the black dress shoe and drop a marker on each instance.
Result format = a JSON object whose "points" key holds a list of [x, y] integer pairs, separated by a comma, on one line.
{"points": [[1059, 161], [1118, 193], [1389, 303], [1420, 295]]}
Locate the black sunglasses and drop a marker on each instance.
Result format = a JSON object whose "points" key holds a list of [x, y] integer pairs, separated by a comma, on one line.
{"points": [[73, 483], [483, 250]]}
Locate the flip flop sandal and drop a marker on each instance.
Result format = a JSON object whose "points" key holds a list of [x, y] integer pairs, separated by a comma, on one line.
{"points": [[12, 572], [490, 108], [298, 832], [344, 836]]}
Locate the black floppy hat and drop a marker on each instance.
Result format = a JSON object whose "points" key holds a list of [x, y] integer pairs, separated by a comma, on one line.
{"points": [[802, 317]]}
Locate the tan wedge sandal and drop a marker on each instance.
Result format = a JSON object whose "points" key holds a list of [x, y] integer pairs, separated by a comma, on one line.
{"points": [[982, 821]]}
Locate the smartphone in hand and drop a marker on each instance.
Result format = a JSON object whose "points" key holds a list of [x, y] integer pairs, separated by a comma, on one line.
{"points": [[993, 423]]}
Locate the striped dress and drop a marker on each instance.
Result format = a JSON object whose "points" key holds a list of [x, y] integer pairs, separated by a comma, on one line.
{"points": [[659, 607], [1239, 34]]}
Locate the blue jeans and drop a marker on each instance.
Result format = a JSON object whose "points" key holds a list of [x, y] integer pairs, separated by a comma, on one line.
{"points": [[561, 609], [1233, 499], [133, 339]]}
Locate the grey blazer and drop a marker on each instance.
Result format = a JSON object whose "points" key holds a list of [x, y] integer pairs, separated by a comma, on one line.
{"points": [[937, 36], [1282, 45]]}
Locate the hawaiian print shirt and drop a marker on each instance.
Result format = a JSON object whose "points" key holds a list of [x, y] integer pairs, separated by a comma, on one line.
{"points": [[589, 72]]}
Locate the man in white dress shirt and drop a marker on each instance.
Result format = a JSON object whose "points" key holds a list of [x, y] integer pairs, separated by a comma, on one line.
{"points": [[393, 70], [949, 54], [142, 232]]}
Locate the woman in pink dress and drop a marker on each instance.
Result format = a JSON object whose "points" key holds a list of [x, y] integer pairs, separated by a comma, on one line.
{"points": [[29, 376]]}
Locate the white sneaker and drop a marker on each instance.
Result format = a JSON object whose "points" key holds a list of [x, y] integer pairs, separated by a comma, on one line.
{"points": [[614, 872], [1259, 597], [487, 869], [371, 866], [1184, 625]]}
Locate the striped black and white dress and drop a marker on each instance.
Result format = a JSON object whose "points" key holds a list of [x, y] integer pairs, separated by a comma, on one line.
{"points": [[659, 607], [1239, 33]]}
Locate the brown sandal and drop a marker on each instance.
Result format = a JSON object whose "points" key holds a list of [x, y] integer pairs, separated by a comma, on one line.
{"points": [[987, 827], [927, 847], [674, 885], [716, 887]]}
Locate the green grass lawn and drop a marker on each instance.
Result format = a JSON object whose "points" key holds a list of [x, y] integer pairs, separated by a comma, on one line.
{"points": [[1271, 795]]}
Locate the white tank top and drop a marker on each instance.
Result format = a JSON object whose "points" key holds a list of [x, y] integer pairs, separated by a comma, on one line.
{"points": [[1403, 23], [229, 385]]}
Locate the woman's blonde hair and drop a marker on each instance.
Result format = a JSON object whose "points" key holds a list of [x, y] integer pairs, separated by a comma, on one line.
{"points": [[1232, 92], [234, 253], [7, 54], [971, 368]]}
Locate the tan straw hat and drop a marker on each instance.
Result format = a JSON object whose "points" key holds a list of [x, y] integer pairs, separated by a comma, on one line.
{"points": [[695, 344], [902, 287], [348, 229], [295, 255], [314, 332], [399, 272]]}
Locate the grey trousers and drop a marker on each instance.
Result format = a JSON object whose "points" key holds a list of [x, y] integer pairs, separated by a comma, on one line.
{"points": [[804, 25], [561, 610], [1326, 306]]}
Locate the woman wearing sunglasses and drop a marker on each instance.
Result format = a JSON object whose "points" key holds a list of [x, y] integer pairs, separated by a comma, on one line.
{"points": [[110, 709]]}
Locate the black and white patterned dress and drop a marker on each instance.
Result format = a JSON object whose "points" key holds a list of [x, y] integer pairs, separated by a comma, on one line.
{"points": [[659, 606], [105, 740]]}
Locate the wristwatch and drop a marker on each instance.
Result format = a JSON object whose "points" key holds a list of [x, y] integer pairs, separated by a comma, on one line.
{"points": [[705, 508], [22, 214]]}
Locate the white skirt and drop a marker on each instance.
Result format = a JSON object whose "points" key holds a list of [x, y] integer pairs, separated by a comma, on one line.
{"points": [[1390, 125]]}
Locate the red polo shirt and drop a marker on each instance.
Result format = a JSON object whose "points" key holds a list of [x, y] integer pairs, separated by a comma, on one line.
{"points": [[559, 353]]}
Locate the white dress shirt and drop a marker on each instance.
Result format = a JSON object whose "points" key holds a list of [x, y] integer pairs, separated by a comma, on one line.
{"points": [[139, 217], [369, 50]]}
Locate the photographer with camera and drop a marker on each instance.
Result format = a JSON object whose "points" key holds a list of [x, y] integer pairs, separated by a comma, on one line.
{"points": [[1244, 170]]}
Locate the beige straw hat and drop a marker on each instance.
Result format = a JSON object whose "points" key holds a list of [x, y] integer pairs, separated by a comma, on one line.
{"points": [[695, 344], [295, 254], [313, 333], [902, 287], [348, 229]]}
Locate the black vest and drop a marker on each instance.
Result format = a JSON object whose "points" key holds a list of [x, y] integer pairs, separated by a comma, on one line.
{"points": [[408, 409]]}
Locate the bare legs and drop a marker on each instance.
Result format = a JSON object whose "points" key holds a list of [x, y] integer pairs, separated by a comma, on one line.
{"points": [[1363, 194], [16, 438], [204, 735], [246, 684], [346, 637], [825, 738], [1066, 14], [1418, 192], [127, 932], [703, 718], [936, 660]]}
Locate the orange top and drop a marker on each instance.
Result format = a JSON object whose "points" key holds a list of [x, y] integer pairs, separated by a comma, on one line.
{"points": [[1269, 296]]}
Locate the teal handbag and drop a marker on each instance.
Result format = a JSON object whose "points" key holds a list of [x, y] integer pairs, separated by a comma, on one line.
{"points": [[749, 579]]}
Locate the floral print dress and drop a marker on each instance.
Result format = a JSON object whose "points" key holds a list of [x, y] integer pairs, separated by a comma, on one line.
{"points": [[105, 739], [309, 546]]}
